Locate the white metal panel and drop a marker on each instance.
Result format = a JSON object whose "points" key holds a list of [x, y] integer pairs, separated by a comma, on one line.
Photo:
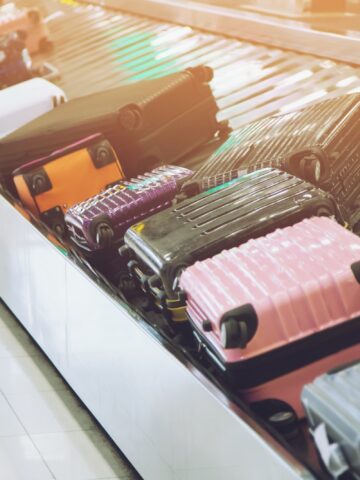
{"points": [[162, 413]]}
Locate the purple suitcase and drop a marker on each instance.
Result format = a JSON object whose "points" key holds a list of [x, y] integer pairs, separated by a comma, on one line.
{"points": [[102, 220]]}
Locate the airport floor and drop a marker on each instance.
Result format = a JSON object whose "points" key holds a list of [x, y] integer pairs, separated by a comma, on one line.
{"points": [[45, 432]]}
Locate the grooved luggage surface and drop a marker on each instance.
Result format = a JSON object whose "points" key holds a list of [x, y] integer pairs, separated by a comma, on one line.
{"points": [[298, 279], [125, 203], [139, 120], [251, 80], [227, 216], [334, 400]]}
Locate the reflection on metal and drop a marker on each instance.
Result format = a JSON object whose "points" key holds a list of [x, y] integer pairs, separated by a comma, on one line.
{"points": [[169, 421], [298, 7], [301, 36], [251, 81]]}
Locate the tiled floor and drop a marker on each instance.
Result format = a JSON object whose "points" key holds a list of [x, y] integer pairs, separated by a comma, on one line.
{"points": [[45, 433]]}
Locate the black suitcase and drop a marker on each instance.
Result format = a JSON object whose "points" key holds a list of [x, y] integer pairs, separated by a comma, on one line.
{"points": [[320, 144], [15, 61], [148, 123], [257, 203]]}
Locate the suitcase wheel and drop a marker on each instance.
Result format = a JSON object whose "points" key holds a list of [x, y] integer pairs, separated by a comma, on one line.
{"points": [[130, 117], [280, 415], [202, 73], [190, 189], [234, 334], [311, 169], [126, 284], [323, 211], [39, 183], [104, 235]]}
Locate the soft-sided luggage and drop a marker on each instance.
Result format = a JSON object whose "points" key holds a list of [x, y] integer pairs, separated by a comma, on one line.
{"points": [[25, 101], [332, 406], [148, 123], [101, 221], [279, 310], [50, 185], [29, 23], [15, 61], [200, 227], [319, 144]]}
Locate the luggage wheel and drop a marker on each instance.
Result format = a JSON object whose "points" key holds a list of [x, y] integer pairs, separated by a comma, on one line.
{"points": [[280, 415], [311, 168], [234, 334], [130, 117], [104, 234], [202, 73]]}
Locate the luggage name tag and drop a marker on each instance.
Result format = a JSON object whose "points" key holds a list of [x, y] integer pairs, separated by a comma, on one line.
{"points": [[331, 453]]}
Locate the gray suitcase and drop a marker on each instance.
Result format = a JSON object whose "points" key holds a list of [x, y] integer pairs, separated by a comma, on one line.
{"points": [[332, 405]]}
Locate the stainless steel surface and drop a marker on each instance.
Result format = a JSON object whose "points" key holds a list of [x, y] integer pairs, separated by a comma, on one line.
{"points": [[251, 81], [306, 37], [170, 422]]}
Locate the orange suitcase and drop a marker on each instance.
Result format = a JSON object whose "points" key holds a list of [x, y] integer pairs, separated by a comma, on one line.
{"points": [[27, 21], [50, 185]]}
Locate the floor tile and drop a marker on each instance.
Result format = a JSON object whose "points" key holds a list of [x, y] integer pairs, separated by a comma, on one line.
{"points": [[28, 374], [15, 342], [50, 412], [82, 455], [7, 318], [19, 460], [9, 423]]}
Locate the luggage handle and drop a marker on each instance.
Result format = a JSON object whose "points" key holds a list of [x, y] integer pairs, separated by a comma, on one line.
{"points": [[238, 326], [331, 453]]}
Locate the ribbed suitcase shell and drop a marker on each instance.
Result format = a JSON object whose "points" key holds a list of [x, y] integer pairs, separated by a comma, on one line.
{"points": [[332, 403], [103, 219], [49, 186], [200, 227], [26, 20], [148, 123], [26, 101], [15, 62], [281, 309], [326, 133], [191, 188]]}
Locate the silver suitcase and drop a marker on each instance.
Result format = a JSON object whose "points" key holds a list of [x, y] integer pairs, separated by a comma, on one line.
{"points": [[332, 406]]}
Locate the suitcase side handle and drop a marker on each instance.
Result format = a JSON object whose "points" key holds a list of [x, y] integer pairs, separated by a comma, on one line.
{"points": [[238, 327]]}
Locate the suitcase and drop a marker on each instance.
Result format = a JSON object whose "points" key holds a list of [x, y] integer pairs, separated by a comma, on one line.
{"points": [[29, 23], [50, 185], [319, 144], [279, 310], [194, 187], [332, 405], [15, 61], [148, 123], [26, 101], [102, 220], [198, 228]]}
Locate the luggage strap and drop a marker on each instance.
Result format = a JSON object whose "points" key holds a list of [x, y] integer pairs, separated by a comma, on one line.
{"points": [[330, 453]]}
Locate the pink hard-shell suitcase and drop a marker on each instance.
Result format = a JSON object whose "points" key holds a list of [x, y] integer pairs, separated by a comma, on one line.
{"points": [[27, 21], [279, 310]]}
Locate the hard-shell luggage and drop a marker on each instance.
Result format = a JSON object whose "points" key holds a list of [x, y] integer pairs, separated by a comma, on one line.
{"points": [[279, 310], [29, 23], [332, 406], [319, 144], [25, 101], [50, 185], [148, 123], [200, 227], [102, 220], [15, 61], [196, 186]]}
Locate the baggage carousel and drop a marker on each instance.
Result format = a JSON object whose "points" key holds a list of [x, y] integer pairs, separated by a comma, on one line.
{"points": [[160, 406]]}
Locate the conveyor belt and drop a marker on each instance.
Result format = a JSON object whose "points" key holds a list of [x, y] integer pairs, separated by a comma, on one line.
{"points": [[97, 49]]}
